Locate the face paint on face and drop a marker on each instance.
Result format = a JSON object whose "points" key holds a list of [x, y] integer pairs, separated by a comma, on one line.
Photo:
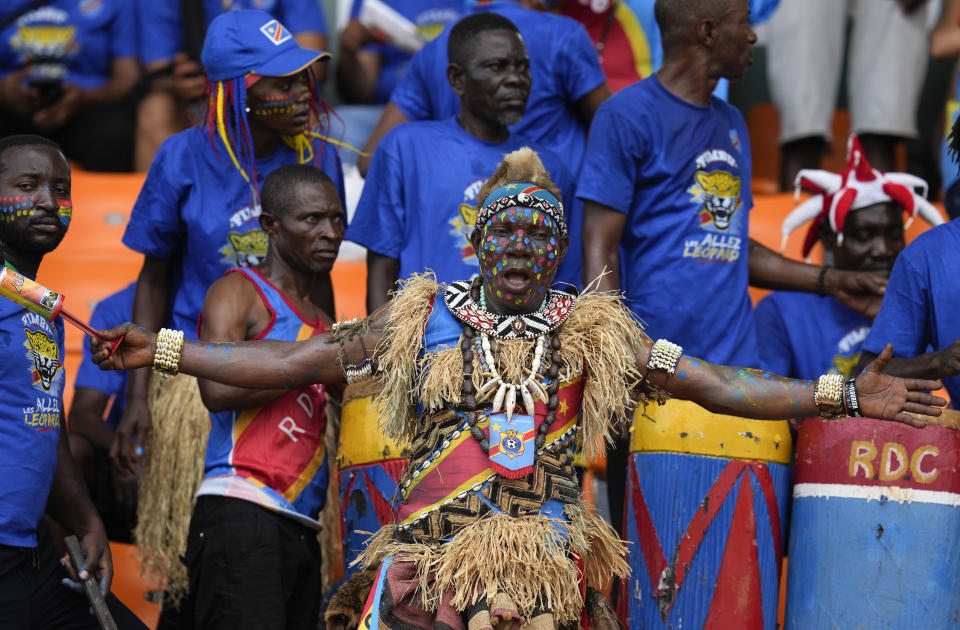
{"points": [[277, 105], [518, 254], [17, 206], [64, 211]]}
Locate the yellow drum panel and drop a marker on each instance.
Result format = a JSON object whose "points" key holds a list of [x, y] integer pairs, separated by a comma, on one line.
{"points": [[681, 426]]}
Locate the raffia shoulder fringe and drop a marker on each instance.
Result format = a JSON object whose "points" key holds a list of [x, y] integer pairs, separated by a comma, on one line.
{"points": [[599, 340], [397, 355], [524, 557]]}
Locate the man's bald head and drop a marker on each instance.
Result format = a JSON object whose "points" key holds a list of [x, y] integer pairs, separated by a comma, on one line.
{"points": [[677, 19]]}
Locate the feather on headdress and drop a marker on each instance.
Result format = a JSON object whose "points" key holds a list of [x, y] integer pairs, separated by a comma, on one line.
{"points": [[836, 195]]}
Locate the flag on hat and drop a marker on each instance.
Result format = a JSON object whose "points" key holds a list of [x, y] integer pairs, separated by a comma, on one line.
{"points": [[836, 195]]}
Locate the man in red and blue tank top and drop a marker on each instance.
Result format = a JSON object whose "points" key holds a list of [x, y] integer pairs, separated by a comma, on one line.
{"points": [[252, 553]]}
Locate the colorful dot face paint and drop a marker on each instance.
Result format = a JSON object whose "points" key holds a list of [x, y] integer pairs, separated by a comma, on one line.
{"points": [[17, 206], [280, 104], [277, 105], [519, 253]]}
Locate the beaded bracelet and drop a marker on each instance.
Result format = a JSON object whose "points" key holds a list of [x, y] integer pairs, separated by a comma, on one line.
{"points": [[821, 277], [169, 352], [664, 356], [828, 395], [850, 399], [356, 372]]}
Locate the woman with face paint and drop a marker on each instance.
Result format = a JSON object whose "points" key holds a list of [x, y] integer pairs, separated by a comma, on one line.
{"points": [[495, 383]]}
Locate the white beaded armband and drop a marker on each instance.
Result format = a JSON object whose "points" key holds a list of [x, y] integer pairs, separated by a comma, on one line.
{"points": [[169, 352], [664, 356], [828, 395]]}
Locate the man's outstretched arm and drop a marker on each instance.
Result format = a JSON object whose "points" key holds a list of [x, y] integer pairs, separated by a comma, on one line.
{"points": [[254, 364], [750, 393]]}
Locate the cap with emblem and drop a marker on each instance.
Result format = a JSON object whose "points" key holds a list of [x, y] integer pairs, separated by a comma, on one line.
{"points": [[240, 42]]}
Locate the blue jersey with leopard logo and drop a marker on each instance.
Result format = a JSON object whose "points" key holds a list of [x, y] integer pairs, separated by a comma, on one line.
{"points": [[681, 175], [30, 415]]}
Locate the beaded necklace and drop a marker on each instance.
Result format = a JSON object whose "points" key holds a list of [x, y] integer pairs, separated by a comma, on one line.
{"points": [[503, 391]]}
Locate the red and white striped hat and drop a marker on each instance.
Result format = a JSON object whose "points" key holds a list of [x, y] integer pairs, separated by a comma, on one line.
{"points": [[835, 196]]}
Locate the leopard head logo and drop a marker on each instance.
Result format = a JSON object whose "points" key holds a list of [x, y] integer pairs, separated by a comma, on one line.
{"points": [[721, 195], [44, 41], [249, 248], [46, 356]]}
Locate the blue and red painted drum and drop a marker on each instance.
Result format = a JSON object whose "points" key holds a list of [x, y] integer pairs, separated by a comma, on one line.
{"points": [[705, 510], [874, 528], [369, 467]]}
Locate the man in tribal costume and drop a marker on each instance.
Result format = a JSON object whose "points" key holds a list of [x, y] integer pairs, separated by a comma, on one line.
{"points": [[495, 383]]}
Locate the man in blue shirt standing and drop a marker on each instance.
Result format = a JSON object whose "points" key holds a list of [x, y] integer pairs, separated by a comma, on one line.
{"points": [[418, 206], [666, 191], [568, 84], [35, 461]]}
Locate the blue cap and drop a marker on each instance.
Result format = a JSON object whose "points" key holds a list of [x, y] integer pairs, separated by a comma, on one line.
{"points": [[239, 42]]}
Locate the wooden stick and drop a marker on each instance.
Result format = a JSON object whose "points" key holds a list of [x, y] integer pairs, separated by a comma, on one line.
{"points": [[90, 585]]}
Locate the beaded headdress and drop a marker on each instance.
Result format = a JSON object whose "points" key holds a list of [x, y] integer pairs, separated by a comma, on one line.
{"points": [[836, 195], [521, 180]]}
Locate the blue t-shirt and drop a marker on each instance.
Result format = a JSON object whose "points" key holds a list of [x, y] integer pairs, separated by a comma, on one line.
{"points": [[75, 41], [920, 308], [429, 16], [563, 64], [805, 335], [109, 312], [30, 417], [195, 206], [419, 202], [681, 174], [161, 32]]}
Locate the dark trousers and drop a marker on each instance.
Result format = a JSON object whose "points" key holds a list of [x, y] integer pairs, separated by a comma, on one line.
{"points": [[32, 597], [249, 568]]}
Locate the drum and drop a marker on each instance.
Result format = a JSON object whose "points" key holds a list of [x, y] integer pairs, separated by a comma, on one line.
{"points": [[369, 467], [873, 536], [705, 515]]}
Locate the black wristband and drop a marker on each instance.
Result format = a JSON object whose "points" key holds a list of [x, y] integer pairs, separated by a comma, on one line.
{"points": [[850, 399], [820, 279]]}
